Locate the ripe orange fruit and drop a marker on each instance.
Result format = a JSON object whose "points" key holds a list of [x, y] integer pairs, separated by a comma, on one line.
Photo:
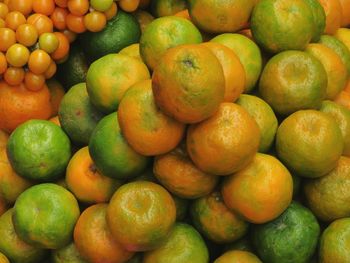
{"points": [[345, 5], [56, 94], [177, 173], [226, 142], [94, 240], [141, 215], [261, 191], [188, 83], [148, 130], [334, 15]]}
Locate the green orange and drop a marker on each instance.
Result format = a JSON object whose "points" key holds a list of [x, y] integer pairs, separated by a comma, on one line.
{"points": [[164, 33], [110, 76], [264, 117], [44, 216], [77, 116], [13, 246], [215, 221], [167, 7], [141, 215], [293, 80], [310, 143], [39, 150], [238, 256], [67, 254], [319, 17], [248, 53], [111, 153], [94, 240], [184, 245]]}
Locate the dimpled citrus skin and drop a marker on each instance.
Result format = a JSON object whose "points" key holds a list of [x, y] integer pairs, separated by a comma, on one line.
{"points": [[188, 83], [224, 143], [141, 215], [45, 214], [279, 25], [310, 143], [293, 80]]}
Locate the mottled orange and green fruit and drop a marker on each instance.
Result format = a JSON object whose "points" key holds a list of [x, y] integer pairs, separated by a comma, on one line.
{"points": [[238, 256]]}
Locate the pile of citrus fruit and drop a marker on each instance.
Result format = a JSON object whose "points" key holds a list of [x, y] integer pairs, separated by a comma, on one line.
{"points": [[175, 131]]}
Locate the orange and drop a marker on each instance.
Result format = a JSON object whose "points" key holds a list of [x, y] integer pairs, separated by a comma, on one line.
{"points": [[334, 244], [235, 79], [144, 18], [56, 95], [44, 216], [23, 6], [260, 192], [11, 184], [3, 139], [310, 143], [133, 51], [67, 254], [85, 182], [13, 246], [3, 258], [17, 105], [177, 173], [42, 23], [94, 240], [110, 76], [188, 83], [327, 196], [334, 15], [345, 5], [183, 245], [342, 117], [343, 99], [238, 256], [167, 8], [248, 53], [226, 142], [319, 18], [343, 34], [264, 117], [55, 120], [293, 80], [279, 25], [141, 215], [184, 14], [214, 16], [164, 33], [3, 207], [335, 68], [148, 130], [347, 86], [215, 221]]}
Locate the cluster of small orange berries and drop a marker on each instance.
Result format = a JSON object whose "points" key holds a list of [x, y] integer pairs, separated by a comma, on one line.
{"points": [[35, 35]]}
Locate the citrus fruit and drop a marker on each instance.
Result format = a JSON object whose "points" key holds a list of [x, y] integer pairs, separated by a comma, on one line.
{"points": [[164, 33], [3, 258], [293, 80], [18, 104], [220, 16], [261, 191], [334, 244], [184, 245], [141, 215], [44, 216], [343, 99], [215, 221], [342, 116], [77, 115], [292, 237], [177, 173], [132, 51], [144, 18], [3, 139], [334, 16], [319, 18], [327, 196], [343, 34], [110, 76], [93, 239], [14, 247], [56, 94], [55, 120], [147, 129], [67, 254], [11, 184], [338, 47], [264, 117], [248, 53], [234, 73], [310, 143], [85, 182], [111, 153], [226, 142], [188, 83], [119, 32], [39, 150], [345, 5], [74, 69], [334, 66], [243, 244], [238, 256], [167, 7], [279, 25]]}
